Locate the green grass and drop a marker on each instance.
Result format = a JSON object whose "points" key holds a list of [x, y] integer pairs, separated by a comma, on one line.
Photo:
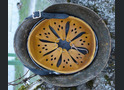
{"points": [[23, 12], [18, 67], [41, 5], [14, 62], [11, 54], [19, 71]]}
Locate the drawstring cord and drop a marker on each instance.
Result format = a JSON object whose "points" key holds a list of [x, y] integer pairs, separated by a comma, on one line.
{"points": [[69, 40], [63, 51], [58, 39], [73, 46], [58, 49], [55, 43]]}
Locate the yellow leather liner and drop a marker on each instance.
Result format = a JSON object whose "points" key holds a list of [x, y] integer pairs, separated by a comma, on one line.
{"points": [[50, 61], [84, 41], [59, 26], [67, 64], [41, 48], [77, 26], [81, 59], [42, 31], [47, 54]]}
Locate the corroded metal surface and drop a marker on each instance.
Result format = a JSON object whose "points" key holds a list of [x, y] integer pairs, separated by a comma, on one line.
{"points": [[83, 76]]}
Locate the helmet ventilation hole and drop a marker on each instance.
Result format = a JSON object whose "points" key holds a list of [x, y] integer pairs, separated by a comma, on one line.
{"points": [[40, 34], [38, 45], [46, 59], [61, 27], [72, 30], [45, 33], [54, 22], [43, 28], [75, 32], [47, 37], [80, 39], [82, 44], [51, 55], [51, 59], [55, 58]]}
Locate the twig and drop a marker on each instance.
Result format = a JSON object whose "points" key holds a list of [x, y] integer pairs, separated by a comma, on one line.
{"points": [[15, 83], [20, 77], [24, 80]]}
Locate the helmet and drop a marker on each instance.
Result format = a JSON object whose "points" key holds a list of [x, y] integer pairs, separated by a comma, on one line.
{"points": [[64, 39]]}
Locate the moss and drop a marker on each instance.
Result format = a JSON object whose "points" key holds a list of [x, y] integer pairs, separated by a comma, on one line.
{"points": [[107, 1], [112, 64], [39, 87], [89, 84], [68, 88], [68, 0], [106, 22], [107, 79], [112, 35], [113, 9], [22, 88], [95, 9]]}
